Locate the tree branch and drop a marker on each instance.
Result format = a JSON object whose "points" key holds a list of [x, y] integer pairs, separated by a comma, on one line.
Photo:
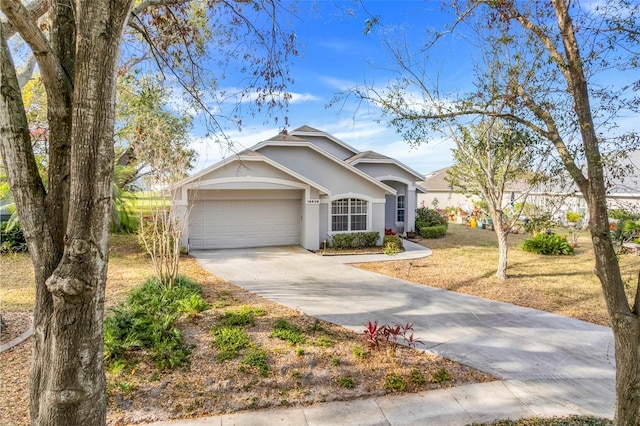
{"points": [[56, 81], [26, 72], [17, 154], [36, 9]]}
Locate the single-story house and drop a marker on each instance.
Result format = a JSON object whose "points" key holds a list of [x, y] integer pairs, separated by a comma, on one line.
{"points": [[558, 196], [439, 193], [296, 188]]}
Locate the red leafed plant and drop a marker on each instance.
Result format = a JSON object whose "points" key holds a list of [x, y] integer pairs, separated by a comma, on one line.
{"points": [[390, 336], [389, 231]]}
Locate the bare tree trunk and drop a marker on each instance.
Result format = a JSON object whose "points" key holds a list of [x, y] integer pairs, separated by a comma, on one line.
{"points": [[498, 227], [625, 321], [67, 227]]}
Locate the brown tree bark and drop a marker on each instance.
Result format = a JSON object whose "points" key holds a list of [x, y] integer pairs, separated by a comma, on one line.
{"points": [[66, 227], [625, 322]]}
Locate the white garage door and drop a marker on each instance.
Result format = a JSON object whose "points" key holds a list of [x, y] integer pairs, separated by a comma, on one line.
{"points": [[244, 223]]}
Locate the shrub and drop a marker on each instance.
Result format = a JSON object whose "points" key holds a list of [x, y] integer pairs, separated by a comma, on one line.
{"points": [[548, 244], [626, 230], [573, 216], [12, 238], [622, 214], [539, 224], [392, 239], [426, 217], [353, 240], [438, 231], [144, 324]]}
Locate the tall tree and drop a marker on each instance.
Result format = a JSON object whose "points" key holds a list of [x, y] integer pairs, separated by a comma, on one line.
{"points": [[489, 156], [545, 67], [66, 222]]}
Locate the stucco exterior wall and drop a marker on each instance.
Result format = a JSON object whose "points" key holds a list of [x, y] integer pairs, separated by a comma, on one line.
{"points": [[381, 171], [330, 146], [446, 199]]}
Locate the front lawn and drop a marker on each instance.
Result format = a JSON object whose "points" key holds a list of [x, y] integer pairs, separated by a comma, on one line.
{"points": [[245, 352], [465, 261]]}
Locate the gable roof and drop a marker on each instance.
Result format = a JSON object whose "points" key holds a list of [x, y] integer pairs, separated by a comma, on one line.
{"points": [[372, 157], [296, 137], [312, 146], [310, 131], [435, 181], [251, 155]]}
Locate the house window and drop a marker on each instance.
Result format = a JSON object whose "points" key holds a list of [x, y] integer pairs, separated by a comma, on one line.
{"points": [[348, 214], [400, 209]]}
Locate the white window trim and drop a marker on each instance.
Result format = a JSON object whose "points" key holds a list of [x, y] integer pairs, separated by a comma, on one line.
{"points": [[401, 223], [370, 201]]}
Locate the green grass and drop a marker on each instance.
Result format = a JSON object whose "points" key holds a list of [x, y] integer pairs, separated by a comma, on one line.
{"points": [[393, 382], [229, 340], [242, 317], [257, 358], [465, 260], [288, 332]]}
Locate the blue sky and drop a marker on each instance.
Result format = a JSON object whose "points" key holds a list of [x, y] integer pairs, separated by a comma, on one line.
{"points": [[335, 55]]}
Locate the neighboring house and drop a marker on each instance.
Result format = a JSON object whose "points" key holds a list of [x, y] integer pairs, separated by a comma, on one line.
{"points": [[297, 188], [557, 197], [623, 190], [439, 193]]}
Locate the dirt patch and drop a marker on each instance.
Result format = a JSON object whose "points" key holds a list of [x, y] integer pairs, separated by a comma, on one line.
{"points": [[326, 367], [331, 364]]}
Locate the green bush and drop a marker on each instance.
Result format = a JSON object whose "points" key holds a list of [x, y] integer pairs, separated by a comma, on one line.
{"points": [[12, 238], [622, 214], [548, 244], [426, 217], [438, 231], [626, 230], [392, 239], [573, 216], [354, 240], [144, 324]]}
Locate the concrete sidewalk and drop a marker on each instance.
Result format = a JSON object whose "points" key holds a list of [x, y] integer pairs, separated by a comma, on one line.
{"points": [[548, 365]]}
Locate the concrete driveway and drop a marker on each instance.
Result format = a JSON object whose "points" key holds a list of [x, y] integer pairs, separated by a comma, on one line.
{"points": [[550, 364]]}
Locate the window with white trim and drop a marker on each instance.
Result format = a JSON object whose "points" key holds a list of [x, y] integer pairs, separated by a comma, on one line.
{"points": [[400, 208], [349, 214]]}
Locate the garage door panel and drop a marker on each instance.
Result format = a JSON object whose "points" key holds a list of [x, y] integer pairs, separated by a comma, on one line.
{"points": [[244, 223]]}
